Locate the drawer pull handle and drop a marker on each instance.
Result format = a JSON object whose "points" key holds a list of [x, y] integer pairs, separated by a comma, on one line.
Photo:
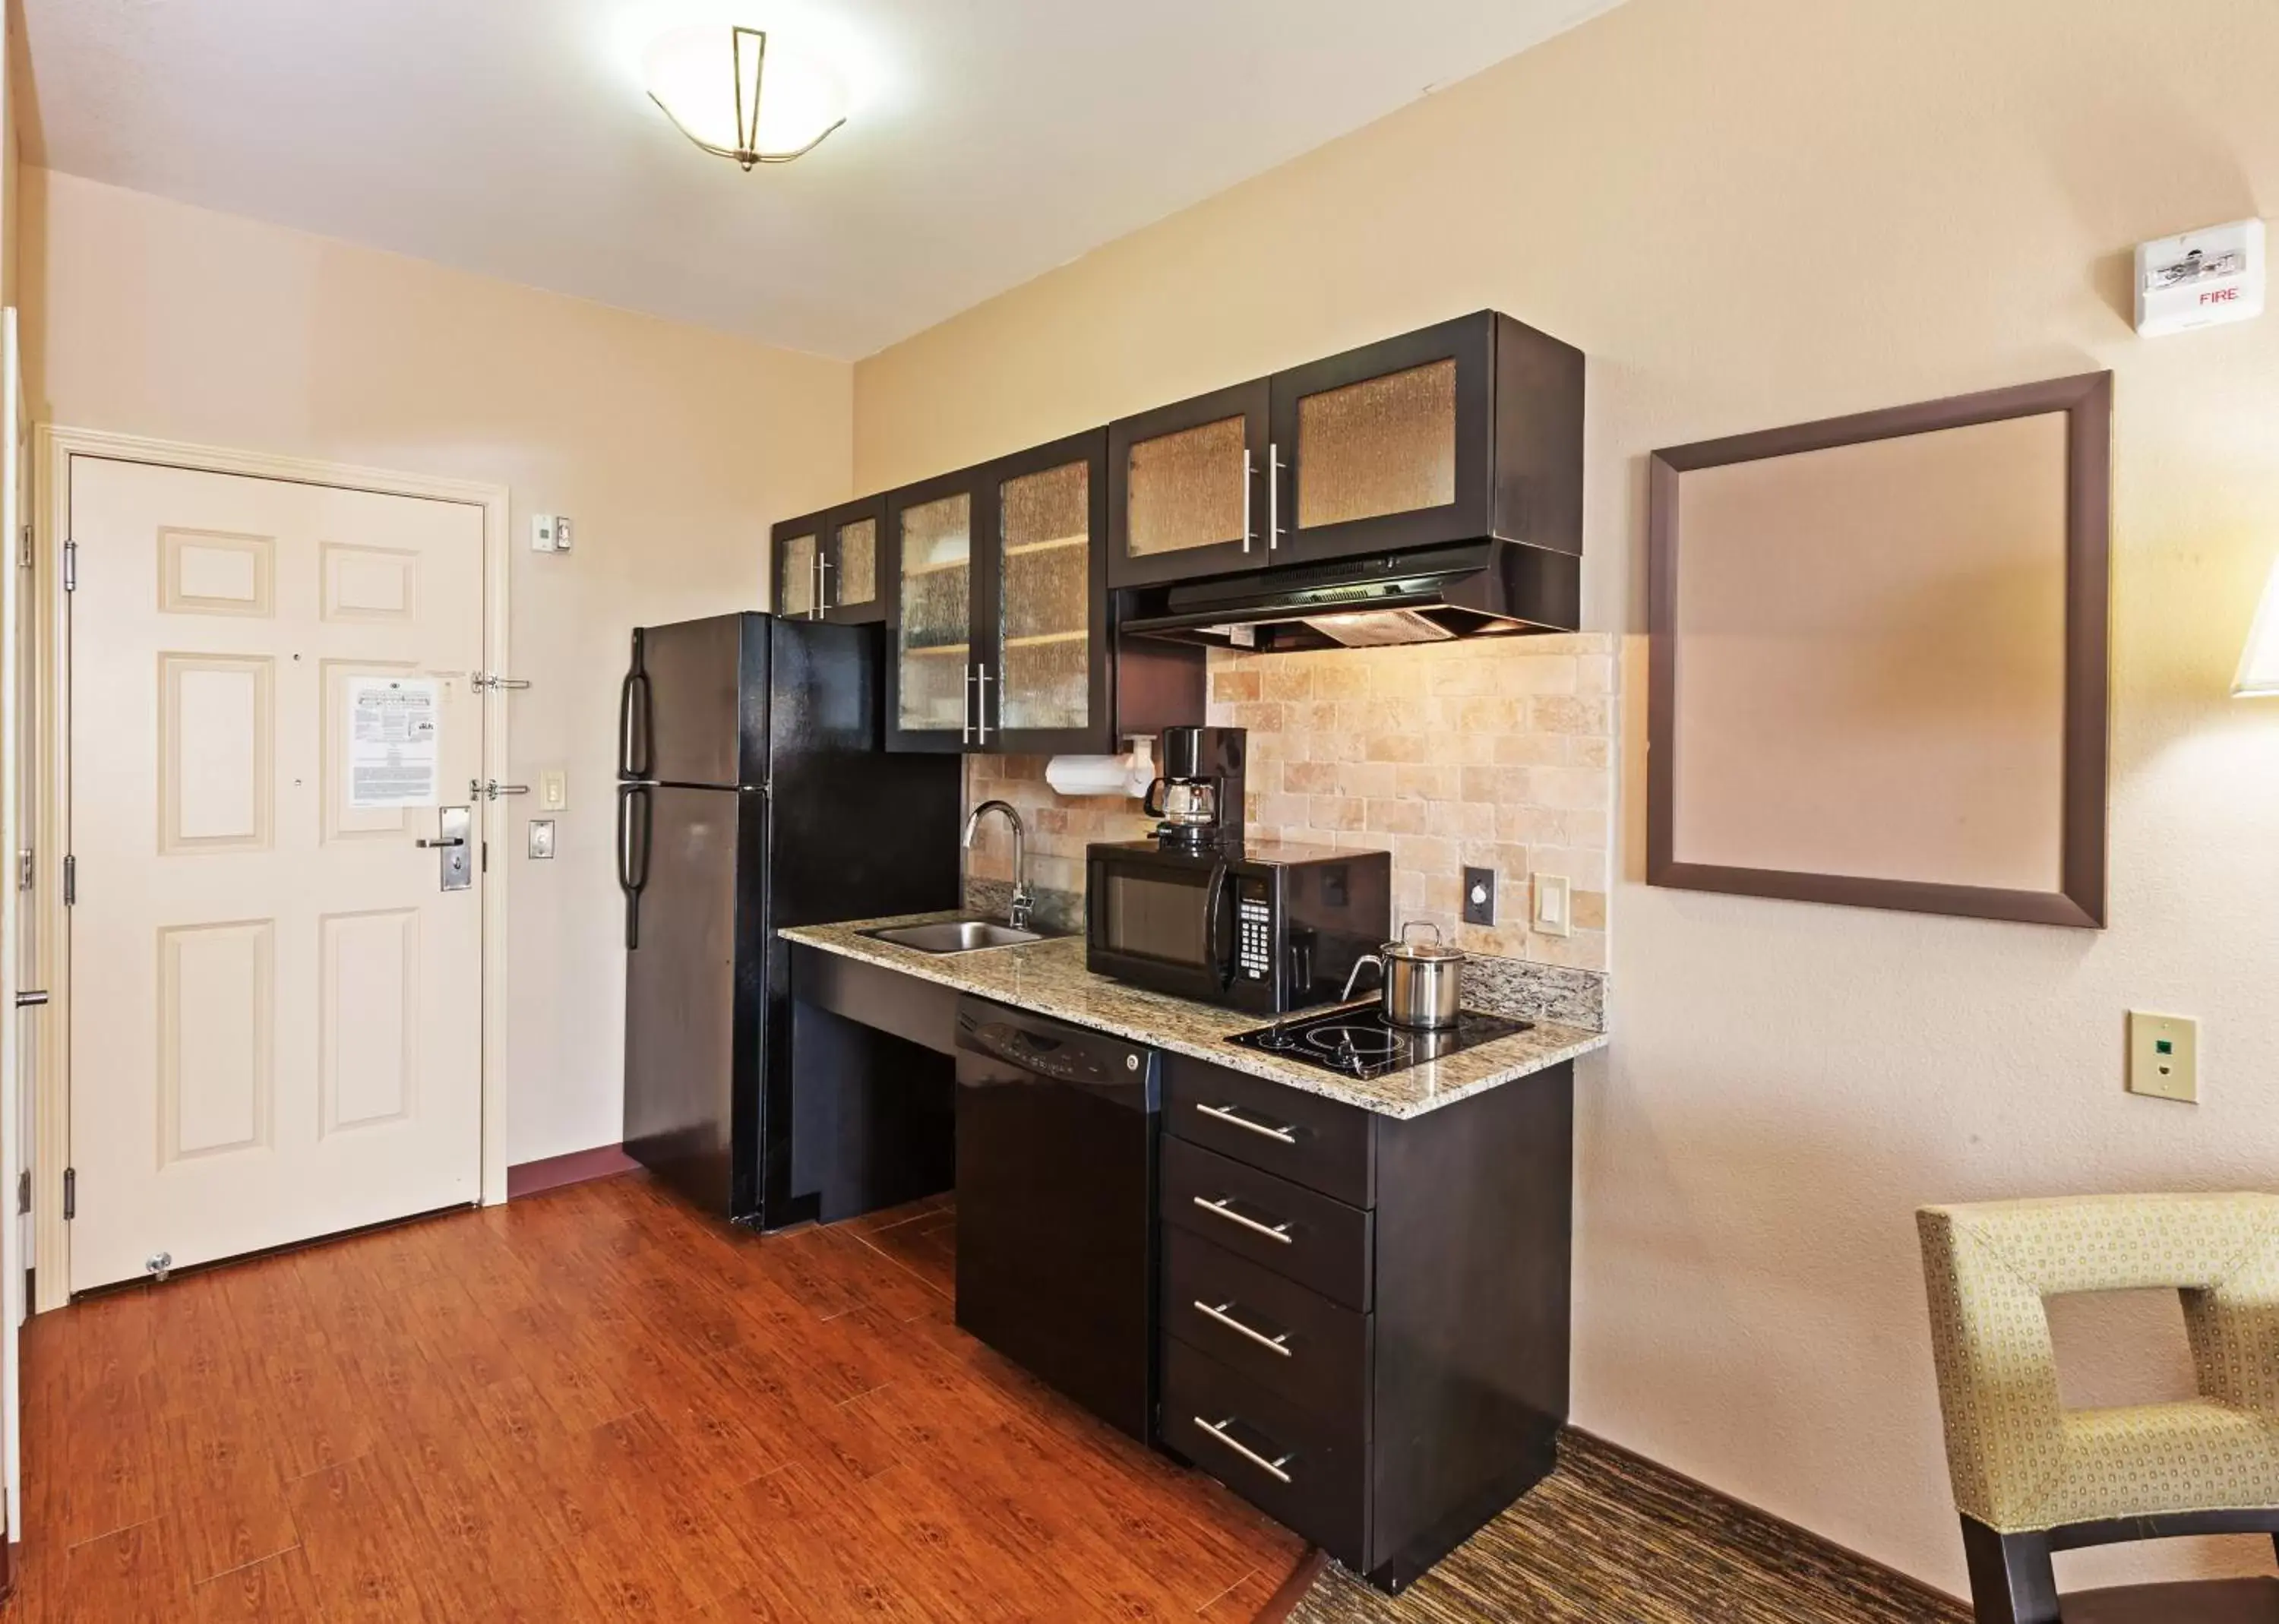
{"points": [[1218, 1429], [1224, 1207], [1279, 1345], [1266, 1130]]}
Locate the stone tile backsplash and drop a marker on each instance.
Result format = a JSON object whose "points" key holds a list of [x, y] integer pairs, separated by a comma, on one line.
{"points": [[1492, 754]]}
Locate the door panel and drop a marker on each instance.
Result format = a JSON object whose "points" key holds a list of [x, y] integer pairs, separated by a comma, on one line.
{"points": [[850, 560], [797, 556], [276, 1012], [694, 723], [1045, 598], [1385, 447], [681, 992], [930, 544], [1186, 488]]}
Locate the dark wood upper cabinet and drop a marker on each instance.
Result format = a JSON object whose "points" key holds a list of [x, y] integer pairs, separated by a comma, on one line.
{"points": [[997, 613], [1043, 647], [1186, 488], [1469, 429], [825, 566]]}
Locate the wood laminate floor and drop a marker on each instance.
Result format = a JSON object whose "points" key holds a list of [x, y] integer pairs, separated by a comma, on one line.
{"points": [[594, 1404]]}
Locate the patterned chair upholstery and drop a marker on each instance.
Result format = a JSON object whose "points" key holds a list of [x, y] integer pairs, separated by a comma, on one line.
{"points": [[2032, 1476]]}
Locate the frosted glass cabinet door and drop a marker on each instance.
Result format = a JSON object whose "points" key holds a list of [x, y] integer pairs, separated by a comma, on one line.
{"points": [[1044, 598], [935, 669], [1187, 490], [1388, 446], [796, 575], [853, 575]]}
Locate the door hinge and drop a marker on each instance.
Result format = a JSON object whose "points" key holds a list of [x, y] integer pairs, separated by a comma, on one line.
{"points": [[24, 548], [24, 870], [70, 1193], [71, 566], [23, 1192], [71, 881]]}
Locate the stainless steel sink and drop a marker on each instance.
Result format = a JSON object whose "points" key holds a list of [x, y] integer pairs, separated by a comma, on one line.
{"points": [[954, 936]]}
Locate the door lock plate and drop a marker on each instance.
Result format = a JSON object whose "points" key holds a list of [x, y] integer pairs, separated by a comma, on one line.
{"points": [[454, 849]]}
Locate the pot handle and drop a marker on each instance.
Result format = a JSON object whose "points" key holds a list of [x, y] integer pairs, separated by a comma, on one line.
{"points": [[1437, 940], [1360, 964]]}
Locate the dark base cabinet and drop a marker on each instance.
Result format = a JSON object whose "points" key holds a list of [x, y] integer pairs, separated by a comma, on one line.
{"points": [[1364, 1321]]}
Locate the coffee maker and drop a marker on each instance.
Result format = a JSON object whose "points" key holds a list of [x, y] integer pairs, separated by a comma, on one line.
{"points": [[1199, 797]]}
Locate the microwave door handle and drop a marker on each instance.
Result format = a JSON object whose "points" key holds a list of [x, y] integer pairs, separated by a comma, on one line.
{"points": [[1214, 908]]}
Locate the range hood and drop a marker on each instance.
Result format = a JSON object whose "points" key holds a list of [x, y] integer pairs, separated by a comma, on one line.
{"points": [[1430, 595]]}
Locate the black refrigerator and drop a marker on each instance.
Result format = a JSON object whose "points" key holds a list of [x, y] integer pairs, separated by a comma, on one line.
{"points": [[755, 795]]}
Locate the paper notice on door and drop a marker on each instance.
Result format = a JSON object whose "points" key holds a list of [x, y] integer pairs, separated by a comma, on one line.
{"points": [[392, 739]]}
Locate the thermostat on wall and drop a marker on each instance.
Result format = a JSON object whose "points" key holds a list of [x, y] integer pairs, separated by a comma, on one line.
{"points": [[2201, 279]]}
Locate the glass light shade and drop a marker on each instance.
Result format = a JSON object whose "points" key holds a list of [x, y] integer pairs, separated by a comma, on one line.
{"points": [[704, 76], [2259, 665]]}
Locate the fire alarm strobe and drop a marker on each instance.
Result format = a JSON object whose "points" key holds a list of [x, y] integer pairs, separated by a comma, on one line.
{"points": [[2201, 279]]}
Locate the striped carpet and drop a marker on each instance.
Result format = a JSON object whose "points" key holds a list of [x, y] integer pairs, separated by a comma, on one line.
{"points": [[1611, 1539]]}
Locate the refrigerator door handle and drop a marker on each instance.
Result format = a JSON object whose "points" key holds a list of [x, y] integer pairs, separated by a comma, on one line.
{"points": [[633, 854]]}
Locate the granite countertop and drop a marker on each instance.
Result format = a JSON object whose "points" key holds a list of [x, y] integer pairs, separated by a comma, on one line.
{"points": [[1049, 978]]}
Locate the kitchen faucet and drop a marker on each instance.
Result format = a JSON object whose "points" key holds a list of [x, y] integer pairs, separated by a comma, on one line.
{"points": [[1017, 916]]}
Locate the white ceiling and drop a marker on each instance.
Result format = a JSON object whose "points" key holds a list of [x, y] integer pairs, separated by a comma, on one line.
{"points": [[988, 140]]}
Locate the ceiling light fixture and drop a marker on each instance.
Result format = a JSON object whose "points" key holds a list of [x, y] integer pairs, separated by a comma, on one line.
{"points": [[738, 96]]}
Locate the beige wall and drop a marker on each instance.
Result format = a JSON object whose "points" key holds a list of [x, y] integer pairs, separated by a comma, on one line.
{"points": [[1753, 213], [670, 447]]}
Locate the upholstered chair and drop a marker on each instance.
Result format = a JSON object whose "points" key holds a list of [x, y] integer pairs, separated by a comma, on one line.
{"points": [[2032, 1477]]}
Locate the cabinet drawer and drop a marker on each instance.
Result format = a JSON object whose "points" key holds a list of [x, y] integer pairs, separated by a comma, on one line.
{"points": [[1290, 1230], [1297, 1341], [1294, 1467], [1316, 1142]]}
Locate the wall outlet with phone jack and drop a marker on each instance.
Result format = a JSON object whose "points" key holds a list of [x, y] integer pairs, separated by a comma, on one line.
{"points": [[1550, 916], [2164, 1059], [549, 533]]}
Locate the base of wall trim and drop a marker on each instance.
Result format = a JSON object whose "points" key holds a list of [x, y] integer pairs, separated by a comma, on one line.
{"points": [[552, 1172]]}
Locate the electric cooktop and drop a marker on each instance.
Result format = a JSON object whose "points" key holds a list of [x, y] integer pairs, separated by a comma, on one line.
{"points": [[1357, 1041]]}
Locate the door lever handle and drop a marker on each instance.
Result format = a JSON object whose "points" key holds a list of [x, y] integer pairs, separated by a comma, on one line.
{"points": [[31, 998], [426, 845]]}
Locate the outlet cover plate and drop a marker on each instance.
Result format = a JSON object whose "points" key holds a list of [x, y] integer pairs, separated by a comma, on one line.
{"points": [[2164, 1056], [541, 838], [1479, 896]]}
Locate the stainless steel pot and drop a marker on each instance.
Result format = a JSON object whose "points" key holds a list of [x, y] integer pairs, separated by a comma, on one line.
{"points": [[1423, 984]]}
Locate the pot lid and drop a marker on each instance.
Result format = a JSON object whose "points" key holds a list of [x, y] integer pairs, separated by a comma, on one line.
{"points": [[1435, 951]]}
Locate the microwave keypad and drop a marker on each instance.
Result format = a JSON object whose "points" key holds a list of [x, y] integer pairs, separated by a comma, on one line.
{"points": [[1251, 956]]}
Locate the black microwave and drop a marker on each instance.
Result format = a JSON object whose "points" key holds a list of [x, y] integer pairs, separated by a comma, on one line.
{"points": [[1271, 928]]}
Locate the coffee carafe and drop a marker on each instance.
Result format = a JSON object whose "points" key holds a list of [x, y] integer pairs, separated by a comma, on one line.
{"points": [[1200, 796]]}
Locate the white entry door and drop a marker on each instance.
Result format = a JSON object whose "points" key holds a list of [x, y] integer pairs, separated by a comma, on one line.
{"points": [[275, 1005]]}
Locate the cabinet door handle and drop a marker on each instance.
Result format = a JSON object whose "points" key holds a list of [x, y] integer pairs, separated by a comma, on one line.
{"points": [[1224, 1207], [965, 735], [1218, 1429], [1273, 495], [1228, 1113], [981, 708], [1249, 476], [1276, 1344]]}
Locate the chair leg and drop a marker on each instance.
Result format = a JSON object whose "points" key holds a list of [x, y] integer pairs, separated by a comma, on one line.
{"points": [[2012, 1580]]}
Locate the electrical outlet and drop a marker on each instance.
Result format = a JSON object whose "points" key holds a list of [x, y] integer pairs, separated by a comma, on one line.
{"points": [[2164, 1056], [1479, 896], [1552, 916], [541, 838], [553, 789], [561, 532]]}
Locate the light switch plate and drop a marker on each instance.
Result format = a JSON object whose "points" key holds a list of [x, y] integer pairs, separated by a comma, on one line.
{"points": [[541, 838], [1552, 916], [553, 788], [2164, 1056], [1479, 896]]}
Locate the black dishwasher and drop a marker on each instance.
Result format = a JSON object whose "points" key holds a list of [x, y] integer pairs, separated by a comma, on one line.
{"points": [[1056, 1205]]}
